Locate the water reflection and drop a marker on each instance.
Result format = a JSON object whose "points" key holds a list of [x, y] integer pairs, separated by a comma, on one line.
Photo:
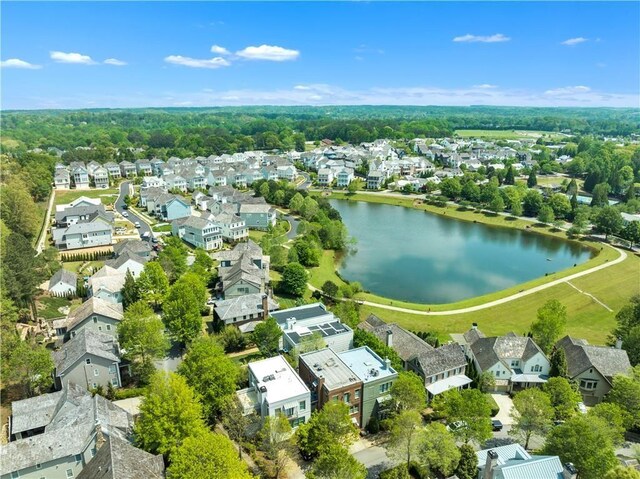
{"points": [[410, 255]]}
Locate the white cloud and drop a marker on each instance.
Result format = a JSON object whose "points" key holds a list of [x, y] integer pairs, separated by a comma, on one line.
{"points": [[76, 58], [468, 38], [485, 86], [268, 52], [574, 41], [217, 49], [216, 62], [17, 63], [568, 90], [115, 62], [302, 87]]}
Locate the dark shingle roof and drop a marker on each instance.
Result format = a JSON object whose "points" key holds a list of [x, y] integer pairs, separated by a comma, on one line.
{"points": [[62, 275], [489, 351], [85, 342], [581, 356], [444, 358]]}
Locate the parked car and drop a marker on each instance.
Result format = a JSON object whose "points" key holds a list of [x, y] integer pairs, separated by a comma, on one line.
{"points": [[137, 223], [456, 426], [496, 425], [125, 214], [154, 240], [582, 408]]}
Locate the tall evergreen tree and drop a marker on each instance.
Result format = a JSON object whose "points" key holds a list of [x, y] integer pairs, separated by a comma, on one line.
{"points": [[558, 363], [533, 179], [130, 290]]}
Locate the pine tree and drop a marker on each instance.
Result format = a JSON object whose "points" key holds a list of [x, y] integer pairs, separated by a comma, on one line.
{"points": [[510, 179], [130, 292], [532, 180], [468, 464], [558, 363]]}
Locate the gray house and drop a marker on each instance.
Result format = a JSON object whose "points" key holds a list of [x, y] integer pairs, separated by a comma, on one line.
{"points": [[63, 282], [245, 311], [593, 367], [95, 314], [198, 232], [83, 235], [258, 216], [90, 359], [57, 435]]}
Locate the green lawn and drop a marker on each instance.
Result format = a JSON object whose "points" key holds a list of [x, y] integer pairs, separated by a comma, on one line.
{"points": [[75, 266], [48, 306], [161, 228], [107, 196], [506, 134]]}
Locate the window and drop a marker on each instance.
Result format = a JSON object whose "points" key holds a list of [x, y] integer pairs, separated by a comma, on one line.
{"points": [[346, 398], [303, 405], [95, 320], [112, 369], [15, 475], [385, 387], [114, 382], [93, 452], [108, 327], [78, 458], [354, 409], [88, 360], [289, 411], [38, 466], [69, 472], [94, 385], [515, 363], [588, 384], [96, 372], [99, 328], [357, 394], [537, 368]]}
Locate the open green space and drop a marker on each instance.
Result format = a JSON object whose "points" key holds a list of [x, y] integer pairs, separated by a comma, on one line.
{"points": [[48, 306], [77, 266], [107, 196], [507, 134]]}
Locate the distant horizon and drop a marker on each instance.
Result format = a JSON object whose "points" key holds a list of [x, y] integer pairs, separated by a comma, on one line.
{"points": [[84, 55]]}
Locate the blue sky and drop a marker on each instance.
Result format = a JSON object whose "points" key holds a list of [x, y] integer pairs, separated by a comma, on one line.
{"points": [[162, 54]]}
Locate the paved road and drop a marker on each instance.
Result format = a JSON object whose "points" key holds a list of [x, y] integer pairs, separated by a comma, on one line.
{"points": [[566, 279], [119, 207], [307, 181]]}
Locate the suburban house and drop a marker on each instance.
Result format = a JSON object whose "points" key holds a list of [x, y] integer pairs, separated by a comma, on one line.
{"points": [[127, 169], [300, 323], [80, 177], [513, 461], [90, 359], [135, 247], [62, 179], [286, 172], [344, 177], [63, 282], [593, 367], [107, 284], [127, 261], [245, 311], [198, 232], [325, 176], [441, 369], [152, 182], [113, 169], [330, 379], [377, 377], [243, 270], [233, 227], [83, 235], [466, 339], [258, 216], [58, 434], [143, 168], [95, 314], [374, 180], [82, 214], [100, 177], [174, 208], [275, 388], [515, 361]]}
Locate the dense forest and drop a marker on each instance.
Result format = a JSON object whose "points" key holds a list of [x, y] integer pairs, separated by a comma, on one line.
{"points": [[203, 131]]}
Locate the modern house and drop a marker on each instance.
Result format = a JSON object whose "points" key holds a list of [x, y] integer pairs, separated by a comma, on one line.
{"points": [[258, 216], [302, 322], [325, 176], [516, 361], [63, 282], [330, 379], [100, 177], [344, 177], [127, 169], [275, 388], [127, 261], [56, 435], [135, 247], [233, 227], [374, 180], [80, 177], [82, 214], [245, 311], [198, 232], [113, 169], [377, 377], [143, 168], [243, 270], [513, 461], [89, 359], [174, 208], [593, 367], [83, 235], [95, 314], [441, 369]]}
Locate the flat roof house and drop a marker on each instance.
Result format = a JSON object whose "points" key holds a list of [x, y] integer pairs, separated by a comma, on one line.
{"points": [[275, 388]]}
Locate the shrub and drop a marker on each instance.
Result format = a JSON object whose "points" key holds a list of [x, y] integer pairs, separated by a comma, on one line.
{"points": [[495, 409], [128, 393], [373, 426]]}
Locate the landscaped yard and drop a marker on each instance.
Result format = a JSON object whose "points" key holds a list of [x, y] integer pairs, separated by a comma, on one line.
{"points": [[86, 270], [48, 306], [108, 196]]}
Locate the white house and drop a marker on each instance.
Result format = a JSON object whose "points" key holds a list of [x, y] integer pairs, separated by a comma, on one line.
{"points": [[63, 282]]}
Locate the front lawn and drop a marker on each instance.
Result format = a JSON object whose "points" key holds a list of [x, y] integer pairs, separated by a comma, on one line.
{"points": [[108, 195], [48, 306]]}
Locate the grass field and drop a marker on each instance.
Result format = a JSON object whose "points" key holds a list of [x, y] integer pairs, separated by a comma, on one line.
{"points": [[48, 306], [90, 266], [613, 286], [506, 134], [107, 196]]}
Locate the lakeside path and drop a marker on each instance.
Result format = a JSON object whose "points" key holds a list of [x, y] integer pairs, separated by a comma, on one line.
{"points": [[470, 309]]}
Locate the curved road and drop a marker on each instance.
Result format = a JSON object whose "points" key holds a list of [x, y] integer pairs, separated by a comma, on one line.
{"points": [[119, 207], [470, 309]]}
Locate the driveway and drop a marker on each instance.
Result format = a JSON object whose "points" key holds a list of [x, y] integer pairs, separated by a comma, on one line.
{"points": [[505, 403], [172, 360], [119, 207]]}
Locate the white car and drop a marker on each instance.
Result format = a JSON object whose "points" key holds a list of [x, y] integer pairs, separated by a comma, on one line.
{"points": [[582, 408], [125, 214], [137, 223]]}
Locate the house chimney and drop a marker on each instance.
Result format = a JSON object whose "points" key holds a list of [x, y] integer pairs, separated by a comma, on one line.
{"points": [[490, 464], [389, 338], [618, 343], [474, 325], [265, 307], [569, 471], [290, 322], [387, 363]]}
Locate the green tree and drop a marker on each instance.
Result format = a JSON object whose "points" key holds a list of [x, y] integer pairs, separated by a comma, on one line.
{"points": [[622, 472], [173, 258], [451, 188], [276, 441], [294, 279], [626, 394], [266, 336], [486, 382], [560, 205], [335, 462], [311, 342], [550, 324], [352, 188], [28, 365], [130, 290], [516, 209], [545, 215], [181, 311], [207, 455], [497, 203], [153, 283], [264, 190], [404, 430], [169, 413], [437, 450], [309, 208], [608, 221], [17, 208], [613, 415], [600, 195], [510, 177], [211, 373], [564, 397], [296, 202], [532, 180], [631, 232], [532, 414], [532, 202], [558, 363], [330, 288], [408, 392], [468, 464], [627, 329], [22, 270], [235, 422], [141, 337], [585, 442], [331, 425], [472, 408]]}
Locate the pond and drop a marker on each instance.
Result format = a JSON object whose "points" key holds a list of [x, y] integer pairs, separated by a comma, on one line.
{"points": [[410, 255]]}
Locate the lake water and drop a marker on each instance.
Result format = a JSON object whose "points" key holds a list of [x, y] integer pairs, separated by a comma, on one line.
{"points": [[410, 255]]}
